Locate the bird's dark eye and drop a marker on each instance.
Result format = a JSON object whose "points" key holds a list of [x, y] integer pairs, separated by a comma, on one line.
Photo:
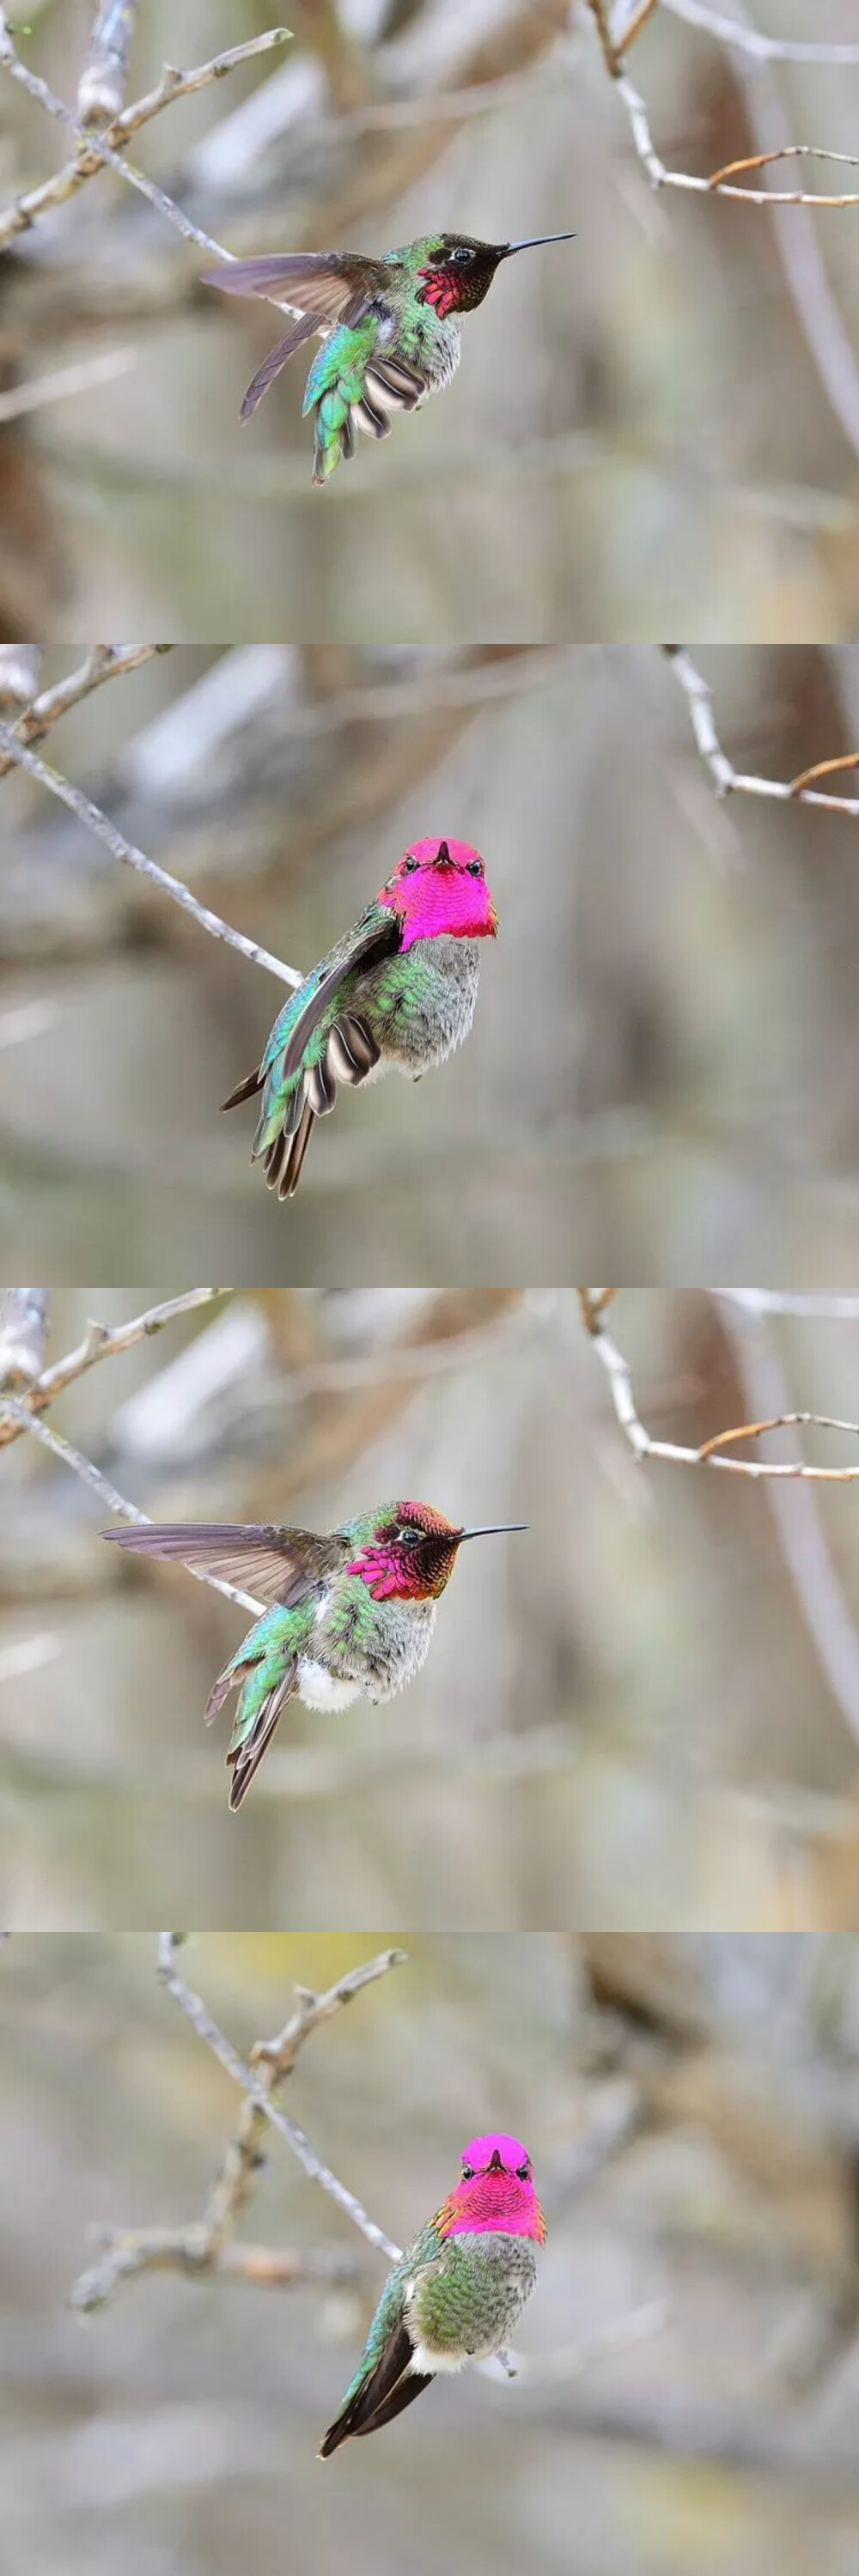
{"points": [[468, 2173], [523, 2171], [409, 866], [462, 251], [475, 867]]}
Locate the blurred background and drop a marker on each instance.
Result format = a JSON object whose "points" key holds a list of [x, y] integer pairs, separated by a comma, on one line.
{"points": [[655, 427], [663, 1076], [643, 1712], [688, 2384]]}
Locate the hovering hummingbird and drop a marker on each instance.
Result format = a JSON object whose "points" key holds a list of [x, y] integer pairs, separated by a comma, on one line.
{"points": [[456, 2293], [399, 990], [387, 327], [353, 1610]]}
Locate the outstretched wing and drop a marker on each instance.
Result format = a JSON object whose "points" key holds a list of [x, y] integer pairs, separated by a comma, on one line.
{"points": [[315, 282], [279, 1566], [319, 286]]}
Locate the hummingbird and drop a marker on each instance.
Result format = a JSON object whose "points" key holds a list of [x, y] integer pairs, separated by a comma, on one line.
{"points": [[387, 326], [456, 2293], [399, 990], [352, 1610]]}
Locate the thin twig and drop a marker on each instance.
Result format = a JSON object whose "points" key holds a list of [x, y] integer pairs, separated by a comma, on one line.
{"points": [[257, 2088], [661, 177], [98, 150], [99, 1484], [205, 2246], [710, 1454], [765, 49], [731, 781], [634, 25], [115, 841], [101, 1342], [105, 662]]}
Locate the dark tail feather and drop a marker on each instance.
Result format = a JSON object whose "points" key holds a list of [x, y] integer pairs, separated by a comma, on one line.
{"points": [[244, 1762], [360, 2413], [402, 2396], [244, 1090]]}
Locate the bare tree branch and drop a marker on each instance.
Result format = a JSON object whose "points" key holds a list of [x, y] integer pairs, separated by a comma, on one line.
{"points": [[105, 662], [101, 88], [96, 151], [728, 780], [23, 1332], [115, 841], [592, 1303], [100, 1342], [20, 665], [258, 2090], [205, 2246], [764, 49]]}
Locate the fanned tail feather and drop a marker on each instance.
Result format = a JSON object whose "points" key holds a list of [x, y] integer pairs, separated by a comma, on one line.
{"points": [[351, 1055]]}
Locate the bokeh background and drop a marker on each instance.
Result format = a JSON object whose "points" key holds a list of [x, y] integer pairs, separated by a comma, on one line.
{"points": [[663, 1076], [642, 1713], [655, 427], [688, 2395]]}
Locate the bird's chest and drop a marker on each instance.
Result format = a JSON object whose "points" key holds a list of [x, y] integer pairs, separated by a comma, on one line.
{"points": [[379, 1645], [468, 2299], [432, 342], [424, 1001]]}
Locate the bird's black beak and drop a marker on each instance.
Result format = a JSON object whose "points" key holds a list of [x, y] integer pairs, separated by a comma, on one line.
{"points": [[495, 2165], [442, 857], [496, 1530], [536, 244]]}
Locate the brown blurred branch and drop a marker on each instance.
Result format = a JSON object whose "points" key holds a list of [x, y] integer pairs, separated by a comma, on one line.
{"points": [[115, 841], [797, 1517], [105, 662], [205, 2246], [101, 88], [592, 1303], [37, 391], [728, 780], [100, 1342], [96, 151]]}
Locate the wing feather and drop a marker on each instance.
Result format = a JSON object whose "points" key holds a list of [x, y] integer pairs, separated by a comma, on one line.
{"points": [[280, 1566]]}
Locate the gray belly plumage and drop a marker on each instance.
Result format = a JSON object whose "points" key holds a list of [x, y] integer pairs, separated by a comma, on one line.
{"points": [[379, 1644], [424, 1002], [471, 2296]]}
